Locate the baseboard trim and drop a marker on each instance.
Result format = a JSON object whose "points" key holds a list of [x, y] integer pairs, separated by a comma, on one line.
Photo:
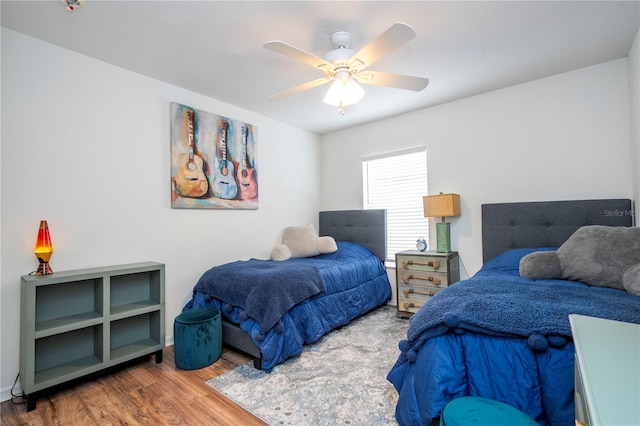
{"points": [[5, 394]]}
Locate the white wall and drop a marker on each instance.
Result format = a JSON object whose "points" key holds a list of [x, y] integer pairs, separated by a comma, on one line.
{"points": [[634, 106], [85, 145], [562, 137]]}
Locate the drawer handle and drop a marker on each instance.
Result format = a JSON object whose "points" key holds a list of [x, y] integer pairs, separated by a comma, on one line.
{"points": [[436, 281], [408, 305], [407, 263], [412, 291]]}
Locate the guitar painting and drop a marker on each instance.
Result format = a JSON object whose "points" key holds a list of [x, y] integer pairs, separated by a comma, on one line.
{"points": [[246, 175], [214, 162], [224, 181], [190, 179]]}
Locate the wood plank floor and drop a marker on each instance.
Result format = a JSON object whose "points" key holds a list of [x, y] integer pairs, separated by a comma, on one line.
{"points": [[140, 393]]}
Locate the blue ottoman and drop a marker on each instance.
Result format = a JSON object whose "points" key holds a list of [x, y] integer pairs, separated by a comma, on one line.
{"points": [[197, 336], [476, 411]]}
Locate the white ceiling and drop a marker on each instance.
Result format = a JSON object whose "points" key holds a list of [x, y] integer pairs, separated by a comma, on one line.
{"points": [[215, 48]]}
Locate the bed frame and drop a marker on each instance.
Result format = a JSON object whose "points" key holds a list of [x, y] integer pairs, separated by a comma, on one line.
{"points": [[507, 226], [366, 227]]}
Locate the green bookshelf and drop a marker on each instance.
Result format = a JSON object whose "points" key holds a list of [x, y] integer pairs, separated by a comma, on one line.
{"points": [[75, 323]]}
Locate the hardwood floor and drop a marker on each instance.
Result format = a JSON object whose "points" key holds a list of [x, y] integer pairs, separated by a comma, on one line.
{"points": [[140, 393]]}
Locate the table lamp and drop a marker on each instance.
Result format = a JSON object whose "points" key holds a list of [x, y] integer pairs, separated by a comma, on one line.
{"points": [[442, 205], [44, 249]]}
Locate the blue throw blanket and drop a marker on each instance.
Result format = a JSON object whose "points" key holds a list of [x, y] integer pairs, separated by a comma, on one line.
{"points": [[265, 289], [537, 310]]}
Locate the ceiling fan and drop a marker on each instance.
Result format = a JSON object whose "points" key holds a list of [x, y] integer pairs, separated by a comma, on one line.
{"points": [[346, 68]]}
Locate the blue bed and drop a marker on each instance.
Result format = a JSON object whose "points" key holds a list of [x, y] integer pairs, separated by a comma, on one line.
{"points": [[504, 337], [311, 295]]}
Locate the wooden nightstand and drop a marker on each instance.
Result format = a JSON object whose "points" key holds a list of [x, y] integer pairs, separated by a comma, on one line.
{"points": [[420, 275]]}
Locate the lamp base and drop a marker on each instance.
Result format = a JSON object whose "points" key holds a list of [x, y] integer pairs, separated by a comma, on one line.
{"points": [[443, 236], [44, 269]]}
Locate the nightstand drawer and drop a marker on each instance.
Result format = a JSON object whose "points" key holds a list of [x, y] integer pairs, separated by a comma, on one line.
{"points": [[410, 306], [417, 292], [437, 279], [422, 263]]}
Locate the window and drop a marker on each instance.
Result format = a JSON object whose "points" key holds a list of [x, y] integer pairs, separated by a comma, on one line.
{"points": [[397, 182]]}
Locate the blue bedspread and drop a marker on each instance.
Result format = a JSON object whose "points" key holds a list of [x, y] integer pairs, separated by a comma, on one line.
{"points": [[500, 336], [536, 310], [283, 284], [355, 281]]}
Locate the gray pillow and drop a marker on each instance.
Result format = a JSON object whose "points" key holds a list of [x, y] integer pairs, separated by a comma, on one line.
{"points": [[631, 279], [540, 265], [600, 255]]}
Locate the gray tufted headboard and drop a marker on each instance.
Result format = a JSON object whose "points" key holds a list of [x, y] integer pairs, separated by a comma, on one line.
{"points": [[367, 227], [545, 223]]}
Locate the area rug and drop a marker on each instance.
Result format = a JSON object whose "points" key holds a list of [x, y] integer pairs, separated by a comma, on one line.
{"points": [[341, 379]]}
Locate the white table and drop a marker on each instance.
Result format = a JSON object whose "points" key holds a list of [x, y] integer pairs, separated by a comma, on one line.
{"points": [[607, 371]]}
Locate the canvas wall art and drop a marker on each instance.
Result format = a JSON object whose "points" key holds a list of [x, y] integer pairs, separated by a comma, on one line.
{"points": [[213, 161]]}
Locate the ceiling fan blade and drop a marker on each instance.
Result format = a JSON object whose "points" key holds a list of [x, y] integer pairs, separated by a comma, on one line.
{"points": [[397, 35], [298, 89], [398, 81], [298, 54]]}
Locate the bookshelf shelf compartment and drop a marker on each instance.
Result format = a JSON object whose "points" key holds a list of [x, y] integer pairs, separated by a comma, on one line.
{"points": [[75, 323], [54, 360], [132, 335], [82, 302], [133, 291]]}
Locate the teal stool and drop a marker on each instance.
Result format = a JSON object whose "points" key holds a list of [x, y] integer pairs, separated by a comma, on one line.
{"points": [[476, 411], [197, 336]]}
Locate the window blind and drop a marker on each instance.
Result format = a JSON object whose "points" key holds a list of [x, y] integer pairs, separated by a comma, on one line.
{"points": [[397, 182]]}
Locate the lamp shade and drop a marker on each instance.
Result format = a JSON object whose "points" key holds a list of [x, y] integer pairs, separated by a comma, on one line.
{"points": [[441, 205], [343, 92]]}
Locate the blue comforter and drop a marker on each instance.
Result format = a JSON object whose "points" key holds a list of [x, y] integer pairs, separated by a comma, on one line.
{"points": [[353, 282], [503, 337], [284, 284]]}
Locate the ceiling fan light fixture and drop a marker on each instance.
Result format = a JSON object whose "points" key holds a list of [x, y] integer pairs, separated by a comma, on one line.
{"points": [[346, 69], [344, 91]]}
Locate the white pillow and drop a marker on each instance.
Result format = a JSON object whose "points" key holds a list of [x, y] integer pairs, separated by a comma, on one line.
{"points": [[301, 240], [281, 252], [326, 245]]}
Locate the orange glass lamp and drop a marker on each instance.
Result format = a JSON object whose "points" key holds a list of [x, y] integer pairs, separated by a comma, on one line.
{"points": [[44, 249], [442, 205]]}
